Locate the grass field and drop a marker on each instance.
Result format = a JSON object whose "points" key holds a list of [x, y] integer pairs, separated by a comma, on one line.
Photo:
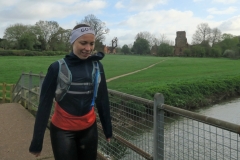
{"points": [[174, 70], [206, 76], [11, 67]]}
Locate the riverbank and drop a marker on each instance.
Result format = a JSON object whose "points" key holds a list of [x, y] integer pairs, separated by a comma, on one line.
{"points": [[191, 95]]}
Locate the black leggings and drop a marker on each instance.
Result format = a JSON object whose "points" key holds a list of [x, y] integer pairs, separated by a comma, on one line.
{"points": [[74, 145]]}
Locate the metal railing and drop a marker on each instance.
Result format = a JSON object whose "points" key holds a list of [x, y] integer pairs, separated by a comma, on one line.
{"points": [[185, 135], [145, 129]]}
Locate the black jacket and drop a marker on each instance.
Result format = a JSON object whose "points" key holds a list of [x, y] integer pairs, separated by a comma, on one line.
{"points": [[77, 105]]}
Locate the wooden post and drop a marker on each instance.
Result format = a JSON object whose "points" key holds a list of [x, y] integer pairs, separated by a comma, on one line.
{"points": [[4, 92], [11, 92]]}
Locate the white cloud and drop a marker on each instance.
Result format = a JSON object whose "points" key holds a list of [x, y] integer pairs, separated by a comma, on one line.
{"points": [[225, 1], [231, 25], [197, 0], [137, 5], [210, 17], [229, 10], [30, 12], [155, 22], [48, 10], [119, 5]]}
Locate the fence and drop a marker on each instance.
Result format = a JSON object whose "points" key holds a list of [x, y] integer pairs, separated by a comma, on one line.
{"points": [[145, 129], [185, 135], [6, 92]]}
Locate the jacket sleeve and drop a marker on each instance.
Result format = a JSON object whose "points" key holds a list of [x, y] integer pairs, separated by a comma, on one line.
{"points": [[44, 108], [102, 104]]}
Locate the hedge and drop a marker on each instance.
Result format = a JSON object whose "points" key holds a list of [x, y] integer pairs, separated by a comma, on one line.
{"points": [[190, 95], [30, 53]]}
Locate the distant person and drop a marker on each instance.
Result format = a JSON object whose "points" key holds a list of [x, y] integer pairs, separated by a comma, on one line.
{"points": [[74, 82]]}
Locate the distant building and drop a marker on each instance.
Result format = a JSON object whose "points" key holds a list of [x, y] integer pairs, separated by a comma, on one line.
{"points": [[108, 50], [180, 43]]}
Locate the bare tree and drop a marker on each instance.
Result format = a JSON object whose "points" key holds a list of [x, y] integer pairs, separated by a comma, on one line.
{"points": [[48, 30], [130, 45], [98, 26], [216, 35], [162, 39], [60, 39], [202, 34], [114, 44], [148, 36]]}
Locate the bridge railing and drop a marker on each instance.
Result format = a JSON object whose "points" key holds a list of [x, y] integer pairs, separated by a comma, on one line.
{"points": [[182, 134], [145, 129]]}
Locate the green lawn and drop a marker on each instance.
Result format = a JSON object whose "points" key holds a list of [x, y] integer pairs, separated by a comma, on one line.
{"points": [[184, 81], [11, 67], [170, 70], [174, 70]]}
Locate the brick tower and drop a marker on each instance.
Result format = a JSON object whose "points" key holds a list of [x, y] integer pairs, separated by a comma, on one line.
{"points": [[180, 43]]}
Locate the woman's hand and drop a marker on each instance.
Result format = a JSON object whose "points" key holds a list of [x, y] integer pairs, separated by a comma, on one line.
{"points": [[108, 140], [36, 154]]}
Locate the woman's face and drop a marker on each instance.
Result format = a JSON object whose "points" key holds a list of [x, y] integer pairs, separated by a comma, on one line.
{"points": [[84, 45]]}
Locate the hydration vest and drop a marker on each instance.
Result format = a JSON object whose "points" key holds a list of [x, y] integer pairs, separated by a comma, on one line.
{"points": [[64, 82]]}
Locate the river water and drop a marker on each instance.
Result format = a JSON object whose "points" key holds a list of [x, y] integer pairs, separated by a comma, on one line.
{"points": [[227, 111], [187, 139]]}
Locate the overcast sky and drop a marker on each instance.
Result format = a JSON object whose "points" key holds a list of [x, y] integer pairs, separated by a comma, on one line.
{"points": [[126, 18]]}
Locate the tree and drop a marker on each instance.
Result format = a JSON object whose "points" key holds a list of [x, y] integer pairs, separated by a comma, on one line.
{"points": [[27, 41], [4, 44], [203, 33], [60, 40], [98, 26], [14, 32], [141, 46], [125, 49], [47, 31], [198, 51], [99, 46], [216, 36], [227, 36], [165, 50], [216, 52], [114, 44], [187, 52], [229, 42], [148, 36], [21, 36]]}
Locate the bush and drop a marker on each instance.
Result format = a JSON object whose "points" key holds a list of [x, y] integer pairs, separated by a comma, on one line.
{"points": [[30, 53], [216, 52], [187, 52], [229, 53]]}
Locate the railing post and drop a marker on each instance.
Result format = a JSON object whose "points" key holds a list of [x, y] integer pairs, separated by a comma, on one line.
{"points": [[22, 90], [11, 93], [158, 127], [29, 88]]}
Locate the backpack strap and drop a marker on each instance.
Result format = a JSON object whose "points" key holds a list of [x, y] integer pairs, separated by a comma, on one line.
{"points": [[64, 80], [96, 80]]}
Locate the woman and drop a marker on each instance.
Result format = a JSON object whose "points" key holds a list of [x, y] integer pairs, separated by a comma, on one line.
{"points": [[73, 127]]}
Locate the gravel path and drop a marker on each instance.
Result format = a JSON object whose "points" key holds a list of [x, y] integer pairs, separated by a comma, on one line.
{"points": [[111, 79]]}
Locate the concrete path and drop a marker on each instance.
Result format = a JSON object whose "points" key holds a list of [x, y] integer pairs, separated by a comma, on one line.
{"points": [[16, 128]]}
